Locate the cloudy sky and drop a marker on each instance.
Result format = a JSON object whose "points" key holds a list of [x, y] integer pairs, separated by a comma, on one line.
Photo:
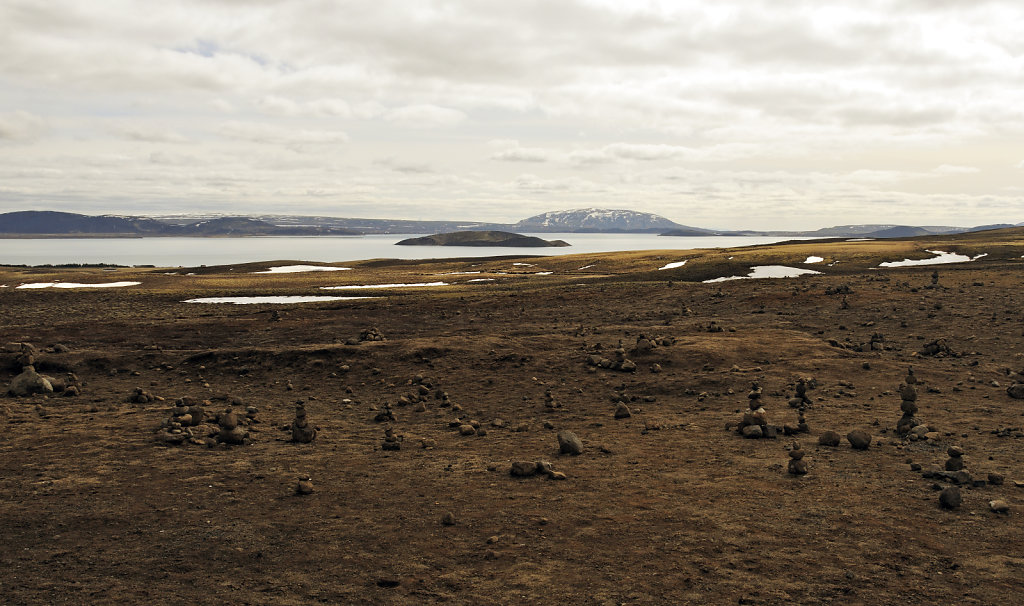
{"points": [[727, 114]]}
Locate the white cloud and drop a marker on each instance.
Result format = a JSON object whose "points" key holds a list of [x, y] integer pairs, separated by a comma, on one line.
{"points": [[523, 154], [727, 113], [264, 133], [21, 126], [424, 116], [953, 169]]}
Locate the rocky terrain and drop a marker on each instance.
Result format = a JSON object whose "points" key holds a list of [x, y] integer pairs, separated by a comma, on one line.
{"points": [[585, 429]]}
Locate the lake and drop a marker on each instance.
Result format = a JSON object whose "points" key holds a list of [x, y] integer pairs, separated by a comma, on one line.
{"points": [[190, 252]]}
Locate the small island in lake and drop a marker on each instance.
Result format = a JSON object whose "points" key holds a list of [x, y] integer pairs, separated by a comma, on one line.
{"points": [[481, 238]]}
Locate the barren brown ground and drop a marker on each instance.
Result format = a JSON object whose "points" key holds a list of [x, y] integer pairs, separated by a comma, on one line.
{"points": [[663, 507]]}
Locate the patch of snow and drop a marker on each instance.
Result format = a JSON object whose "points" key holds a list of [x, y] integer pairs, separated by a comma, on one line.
{"points": [[76, 285], [673, 265], [353, 286], [294, 269], [271, 299], [543, 273], [940, 258], [524, 264], [813, 259], [768, 271], [459, 273], [481, 280], [584, 267]]}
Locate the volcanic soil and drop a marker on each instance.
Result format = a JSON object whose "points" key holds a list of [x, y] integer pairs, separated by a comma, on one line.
{"points": [[669, 505]]}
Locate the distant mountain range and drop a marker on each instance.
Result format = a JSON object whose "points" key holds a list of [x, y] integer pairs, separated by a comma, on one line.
{"points": [[587, 220], [71, 224]]}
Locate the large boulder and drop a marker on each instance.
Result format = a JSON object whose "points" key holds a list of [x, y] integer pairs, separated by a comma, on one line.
{"points": [[1016, 391], [29, 382]]}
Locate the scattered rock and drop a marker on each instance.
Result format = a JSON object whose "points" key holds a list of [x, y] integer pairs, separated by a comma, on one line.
{"points": [[622, 412], [950, 498], [448, 519], [569, 443], [1016, 391], [999, 506], [829, 438], [859, 439], [523, 469]]}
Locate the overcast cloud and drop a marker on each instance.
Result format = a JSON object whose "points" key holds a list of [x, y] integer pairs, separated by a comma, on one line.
{"points": [[732, 114]]}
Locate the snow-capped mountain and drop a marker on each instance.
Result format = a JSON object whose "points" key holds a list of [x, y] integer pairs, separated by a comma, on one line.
{"points": [[596, 219]]}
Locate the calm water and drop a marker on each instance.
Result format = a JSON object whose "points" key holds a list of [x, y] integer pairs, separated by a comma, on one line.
{"points": [[188, 252]]}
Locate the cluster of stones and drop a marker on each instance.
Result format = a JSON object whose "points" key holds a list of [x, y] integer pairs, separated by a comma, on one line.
{"points": [[645, 344], [29, 382], [797, 465], [714, 327], [842, 289], [525, 469], [938, 347], [186, 414], [620, 362], [467, 428], [954, 471], [385, 415], [550, 401], [141, 396], [755, 420], [302, 431], [371, 334]]}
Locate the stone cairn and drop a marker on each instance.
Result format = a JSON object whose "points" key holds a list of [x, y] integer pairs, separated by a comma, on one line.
{"points": [[800, 400], [386, 415], [797, 465], [550, 401], [755, 420], [231, 430], [302, 431], [956, 459], [391, 441], [908, 404]]}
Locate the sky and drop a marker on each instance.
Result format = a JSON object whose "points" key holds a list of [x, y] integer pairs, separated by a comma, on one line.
{"points": [[733, 114]]}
